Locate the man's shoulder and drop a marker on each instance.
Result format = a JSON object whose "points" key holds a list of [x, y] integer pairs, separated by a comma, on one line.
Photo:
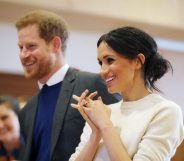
{"points": [[87, 74], [83, 74], [31, 101]]}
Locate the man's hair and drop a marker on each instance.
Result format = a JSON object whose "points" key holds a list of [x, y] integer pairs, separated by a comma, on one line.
{"points": [[49, 25]]}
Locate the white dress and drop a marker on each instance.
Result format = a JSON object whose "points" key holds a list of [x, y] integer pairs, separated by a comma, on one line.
{"points": [[151, 129]]}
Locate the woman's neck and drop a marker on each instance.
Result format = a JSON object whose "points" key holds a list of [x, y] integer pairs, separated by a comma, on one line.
{"points": [[137, 91]]}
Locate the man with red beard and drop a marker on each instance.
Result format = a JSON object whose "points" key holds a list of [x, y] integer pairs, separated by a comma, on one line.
{"points": [[50, 126]]}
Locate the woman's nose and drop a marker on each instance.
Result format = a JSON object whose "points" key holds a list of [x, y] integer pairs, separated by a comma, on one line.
{"points": [[104, 70]]}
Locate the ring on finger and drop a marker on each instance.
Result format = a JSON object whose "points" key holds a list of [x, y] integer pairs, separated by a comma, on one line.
{"points": [[86, 103]]}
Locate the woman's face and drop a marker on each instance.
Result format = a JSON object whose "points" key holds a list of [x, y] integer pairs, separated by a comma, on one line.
{"points": [[117, 71], [9, 124]]}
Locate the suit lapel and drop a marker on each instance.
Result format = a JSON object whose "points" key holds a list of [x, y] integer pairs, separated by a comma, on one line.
{"points": [[31, 119], [61, 107]]}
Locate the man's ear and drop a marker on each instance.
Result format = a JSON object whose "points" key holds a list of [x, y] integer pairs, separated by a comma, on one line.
{"points": [[56, 43], [140, 60]]}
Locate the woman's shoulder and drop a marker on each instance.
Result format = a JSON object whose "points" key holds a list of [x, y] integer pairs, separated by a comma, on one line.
{"points": [[166, 103], [115, 105], [167, 110]]}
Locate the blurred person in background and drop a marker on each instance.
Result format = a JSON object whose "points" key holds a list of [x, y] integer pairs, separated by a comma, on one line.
{"points": [[22, 100], [10, 142]]}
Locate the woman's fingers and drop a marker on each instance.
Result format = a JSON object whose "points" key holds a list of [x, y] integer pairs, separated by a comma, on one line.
{"points": [[81, 110], [92, 95], [75, 97], [82, 103], [74, 105], [79, 99], [100, 98], [84, 94], [84, 100], [79, 104]]}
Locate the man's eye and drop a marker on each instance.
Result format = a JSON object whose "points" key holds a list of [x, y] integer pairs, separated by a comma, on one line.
{"points": [[31, 46], [20, 48]]}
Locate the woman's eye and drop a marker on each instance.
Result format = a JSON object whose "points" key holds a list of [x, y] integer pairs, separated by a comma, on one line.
{"points": [[100, 63], [110, 60]]}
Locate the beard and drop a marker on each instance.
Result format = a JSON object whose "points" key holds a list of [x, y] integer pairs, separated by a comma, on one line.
{"points": [[41, 69]]}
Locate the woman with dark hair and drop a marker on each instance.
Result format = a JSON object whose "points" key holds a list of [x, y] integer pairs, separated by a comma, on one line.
{"points": [[144, 126], [9, 128]]}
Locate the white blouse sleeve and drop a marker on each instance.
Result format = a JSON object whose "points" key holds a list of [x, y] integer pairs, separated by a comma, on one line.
{"points": [[163, 135], [83, 140]]}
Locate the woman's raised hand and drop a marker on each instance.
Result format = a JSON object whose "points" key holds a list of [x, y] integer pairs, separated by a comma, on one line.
{"points": [[83, 101], [95, 112]]}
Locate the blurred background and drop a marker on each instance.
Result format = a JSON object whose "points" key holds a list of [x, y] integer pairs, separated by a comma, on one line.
{"points": [[87, 20]]}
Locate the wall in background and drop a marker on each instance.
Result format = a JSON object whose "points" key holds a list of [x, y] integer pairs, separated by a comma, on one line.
{"points": [[167, 13]]}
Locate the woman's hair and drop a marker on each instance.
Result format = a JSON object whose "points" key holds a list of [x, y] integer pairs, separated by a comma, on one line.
{"points": [[129, 42], [49, 25], [11, 102]]}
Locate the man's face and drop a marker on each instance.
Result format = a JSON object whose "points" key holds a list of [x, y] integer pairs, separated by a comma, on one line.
{"points": [[35, 54]]}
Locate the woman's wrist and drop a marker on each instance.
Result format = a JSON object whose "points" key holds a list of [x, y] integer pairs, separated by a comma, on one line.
{"points": [[105, 126], [95, 136]]}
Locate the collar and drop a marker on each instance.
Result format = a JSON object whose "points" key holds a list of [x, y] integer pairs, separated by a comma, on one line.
{"points": [[57, 77]]}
